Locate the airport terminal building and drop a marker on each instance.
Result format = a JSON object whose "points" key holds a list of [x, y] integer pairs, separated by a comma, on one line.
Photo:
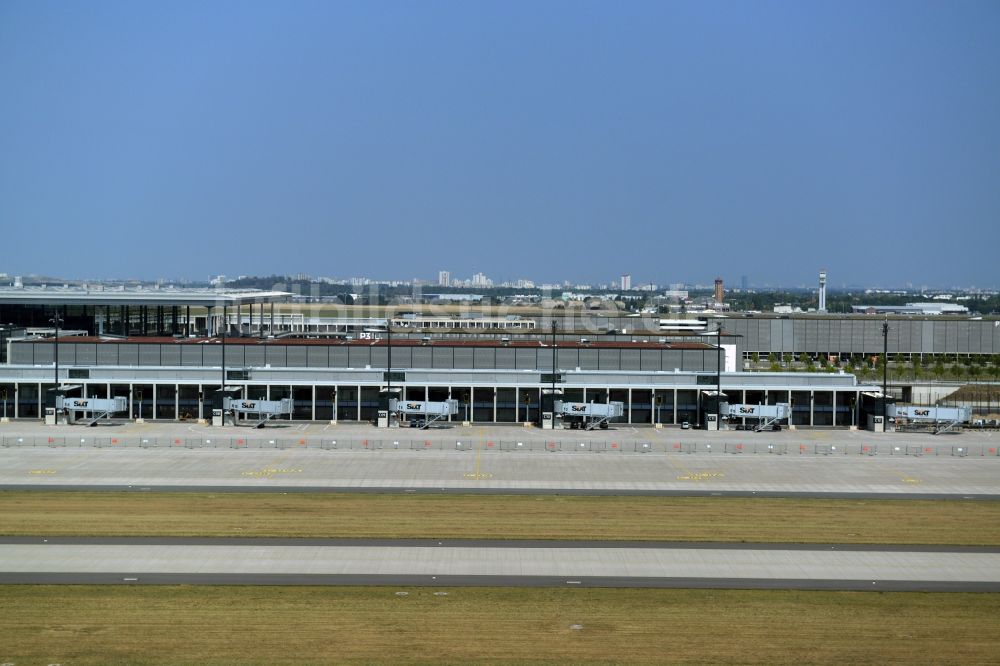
{"points": [[168, 353]]}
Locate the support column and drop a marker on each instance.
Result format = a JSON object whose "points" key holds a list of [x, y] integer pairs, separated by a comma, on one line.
{"points": [[271, 332], [812, 406], [833, 406], [359, 386], [187, 322], [517, 404], [629, 405], [293, 395], [131, 393], [743, 400], [675, 406], [494, 404], [177, 402], [154, 402]]}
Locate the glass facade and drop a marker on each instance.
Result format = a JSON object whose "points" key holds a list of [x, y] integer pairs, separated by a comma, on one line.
{"points": [[481, 404]]}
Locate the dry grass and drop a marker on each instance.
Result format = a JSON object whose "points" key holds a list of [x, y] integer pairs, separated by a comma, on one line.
{"points": [[500, 517], [303, 625]]}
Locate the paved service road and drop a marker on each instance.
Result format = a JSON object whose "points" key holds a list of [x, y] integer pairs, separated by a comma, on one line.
{"points": [[311, 470], [700, 565]]}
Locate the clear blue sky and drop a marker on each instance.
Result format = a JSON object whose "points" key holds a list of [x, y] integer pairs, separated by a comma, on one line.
{"points": [[676, 141]]}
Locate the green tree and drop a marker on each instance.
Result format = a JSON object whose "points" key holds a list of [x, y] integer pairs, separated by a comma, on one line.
{"points": [[938, 369]]}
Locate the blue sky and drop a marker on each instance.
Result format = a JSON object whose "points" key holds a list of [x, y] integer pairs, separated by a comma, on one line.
{"points": [[675, 141]]}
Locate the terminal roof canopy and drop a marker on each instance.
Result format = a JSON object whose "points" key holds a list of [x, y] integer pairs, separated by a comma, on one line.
{"points": [[148, 297]]}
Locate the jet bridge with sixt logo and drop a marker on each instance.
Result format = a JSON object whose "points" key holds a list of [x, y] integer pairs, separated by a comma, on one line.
{"points": [[422, 413], [588, 415]]}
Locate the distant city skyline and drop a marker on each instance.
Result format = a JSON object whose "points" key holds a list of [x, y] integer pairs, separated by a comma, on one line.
{"points": [[563, 140], [481, 280]]}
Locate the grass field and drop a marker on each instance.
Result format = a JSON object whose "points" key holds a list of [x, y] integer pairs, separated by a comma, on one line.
{"points": [[372, 625], [500, 517]]}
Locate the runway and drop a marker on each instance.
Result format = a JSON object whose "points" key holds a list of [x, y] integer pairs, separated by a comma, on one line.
{"points": [[666, 469], [457, 563]]}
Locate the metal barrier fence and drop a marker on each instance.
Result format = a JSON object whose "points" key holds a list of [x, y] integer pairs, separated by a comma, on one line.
{"points": [[511, 445]]}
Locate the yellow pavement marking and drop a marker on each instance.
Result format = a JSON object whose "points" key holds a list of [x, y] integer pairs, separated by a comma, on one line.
{"points": [[72, 461], [477, 475], [271, 469], [700, 476], [688, 475]]}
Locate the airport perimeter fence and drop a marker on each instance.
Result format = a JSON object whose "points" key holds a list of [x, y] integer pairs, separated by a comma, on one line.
{"points": [[541, 446]]}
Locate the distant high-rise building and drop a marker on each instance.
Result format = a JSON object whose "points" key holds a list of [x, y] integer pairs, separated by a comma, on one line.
{"points": [[444, 279], [822, 291], [744, 283], [626, 283], [720, 292], [480, 280]]}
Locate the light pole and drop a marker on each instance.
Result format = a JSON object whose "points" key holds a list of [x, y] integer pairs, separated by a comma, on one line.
{"points": [[225, 323], [718, 377], [885, 371], [552, 397], [388, 367], [56, 320], [554, 326]]}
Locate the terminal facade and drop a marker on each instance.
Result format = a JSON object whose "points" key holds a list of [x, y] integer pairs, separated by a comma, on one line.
{"points": [[169, 353]]}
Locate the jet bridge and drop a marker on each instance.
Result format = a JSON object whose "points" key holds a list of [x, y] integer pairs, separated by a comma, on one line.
{"points": [[941, 419], [767, 416], [589, 415], [423, 413], [263, 410], [88, 411]]}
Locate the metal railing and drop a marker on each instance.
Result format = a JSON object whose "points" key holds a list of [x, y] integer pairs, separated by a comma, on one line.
{"points": [[513, 445]]}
